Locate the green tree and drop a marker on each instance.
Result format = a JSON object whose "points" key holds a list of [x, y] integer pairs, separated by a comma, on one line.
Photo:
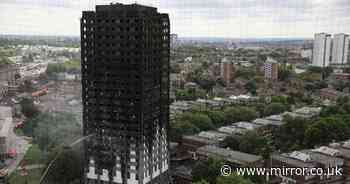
{"points": [[314, 69], [346, 107], [217, 117], [236, 114], [206, 83], [284, 73], [314, 135], [51, 130], [343, 100], [53, 68], [200, 120], [261, 57], [232, 179], [5, 61], [31, 124], [189, 94], [280, 99], [28, 108], [252, 143], [207, 170], [339, 85], [180, 128], [331, 110], [326, 130], [251, 87], [232, 142], [67, 168], [275, 108], [201, 182], [327, 71], [292, 133]]}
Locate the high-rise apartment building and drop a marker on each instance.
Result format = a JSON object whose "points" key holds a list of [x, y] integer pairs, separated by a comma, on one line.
{"points": [[174, 40], [226, 70], [271, 69], [321, 55], [341, 45], [125, 82]]}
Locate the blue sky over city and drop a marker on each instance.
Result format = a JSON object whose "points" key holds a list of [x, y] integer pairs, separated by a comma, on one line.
{"points": [[190, 18]]}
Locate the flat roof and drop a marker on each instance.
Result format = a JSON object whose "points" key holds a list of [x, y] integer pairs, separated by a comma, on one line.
{"points": [[344, 152], [293, 161], [232, 130], [327, 151], [199, 139], [346, 144], [308, 110], [120, 5], [278, 117], [246, 125], [265, 122], [342, 148], [213, 135], [229, 155], [304, 112], [328, 161]]}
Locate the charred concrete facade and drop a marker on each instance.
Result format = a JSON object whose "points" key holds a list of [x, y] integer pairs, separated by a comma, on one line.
{"points": [[125, 81]]}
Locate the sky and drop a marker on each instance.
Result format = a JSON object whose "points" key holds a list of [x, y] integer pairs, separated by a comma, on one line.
{"points": [[190, 18]]}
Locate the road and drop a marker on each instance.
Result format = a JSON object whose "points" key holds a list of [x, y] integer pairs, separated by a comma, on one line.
{"points": [[20, 144]]}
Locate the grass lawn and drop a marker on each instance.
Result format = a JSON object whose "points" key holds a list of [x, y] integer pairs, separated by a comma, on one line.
{"points": [[72, 64], [54, 68], [33, 177], [34, 156]]}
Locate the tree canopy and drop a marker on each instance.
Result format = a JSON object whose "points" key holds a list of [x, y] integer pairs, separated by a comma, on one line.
{"points": [[28, 108], [251, 143], [67, 168], [275, 108], [326, 130], [207, 170], [52, 129], [236, 114], [233, 179]]}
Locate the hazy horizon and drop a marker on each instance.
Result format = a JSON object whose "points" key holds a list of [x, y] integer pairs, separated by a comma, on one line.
{"points": [[241, 19]]}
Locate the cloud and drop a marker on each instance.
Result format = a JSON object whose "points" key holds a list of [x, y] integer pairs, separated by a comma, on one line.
{"points": [[224, 18], [28, 19], [43, 3]]}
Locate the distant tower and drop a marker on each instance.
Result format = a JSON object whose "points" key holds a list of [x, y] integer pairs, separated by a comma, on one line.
{"points": [[125, 82], [174, 40], [226, 70], [321, 55], [271, 69], [340, 52]]}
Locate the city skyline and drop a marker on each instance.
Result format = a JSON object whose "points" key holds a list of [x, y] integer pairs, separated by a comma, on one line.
{"points": [[238, 19]]}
